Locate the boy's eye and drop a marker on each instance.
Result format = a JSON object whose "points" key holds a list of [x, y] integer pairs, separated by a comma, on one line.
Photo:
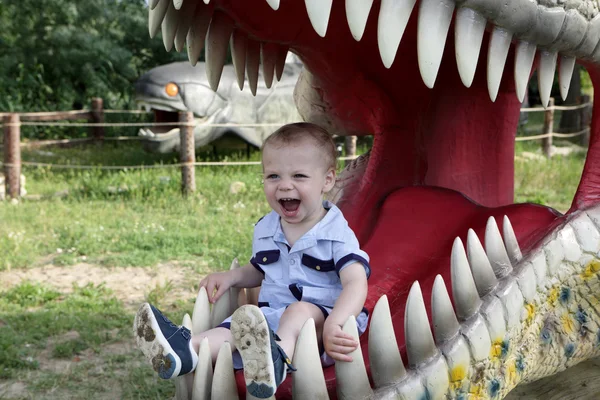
{"points": [[300, 176], [272, 176]]}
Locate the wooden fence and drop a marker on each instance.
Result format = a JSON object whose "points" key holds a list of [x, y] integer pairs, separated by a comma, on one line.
{"points": [[12, 123]]}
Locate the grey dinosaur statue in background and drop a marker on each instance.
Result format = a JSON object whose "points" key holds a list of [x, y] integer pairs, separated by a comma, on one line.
{"points": [[182, 87]]}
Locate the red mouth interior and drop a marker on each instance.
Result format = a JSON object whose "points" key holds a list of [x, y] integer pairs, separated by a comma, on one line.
{"points": [[442, 160], [290, 205]]}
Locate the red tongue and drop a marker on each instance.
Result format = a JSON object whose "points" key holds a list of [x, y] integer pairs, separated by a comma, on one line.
{"points": [[290, 205]]}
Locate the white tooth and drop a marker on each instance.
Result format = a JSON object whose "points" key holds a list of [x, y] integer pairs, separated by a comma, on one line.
{"points": [[351, 377], [233, 291], [523, 63], [318, 13], [393, 17], [470, 26], [217, 40], [252, 63], [274, 4], [169, 26], [432, 29], [203, 375], [586, 233], [419, 341], [268, 54], [178, 3], [497, 53], [185, 21], [464, 291], [238, 54], [281, 55], [512, 299], [197, 33], [445, 325], [156, 16], [357, 13], [201, 313], [510, 242], [223, 384], [206, 1], [546, 74], [483, 274], [187, 321], [384, 356], [181, 388], [308, 382], [494, 247], [565, 71], [220, 310], [153, 3]]}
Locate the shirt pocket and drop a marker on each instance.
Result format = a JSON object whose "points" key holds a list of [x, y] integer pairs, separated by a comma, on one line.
{"points": [[319, 271], [268, 261]]}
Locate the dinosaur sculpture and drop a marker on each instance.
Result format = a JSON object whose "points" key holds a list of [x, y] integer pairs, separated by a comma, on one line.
{"points": [[439, 176], [182, 87]]}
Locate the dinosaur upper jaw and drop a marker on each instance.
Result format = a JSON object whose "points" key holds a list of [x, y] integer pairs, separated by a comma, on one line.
{"points": [[442, 160]]}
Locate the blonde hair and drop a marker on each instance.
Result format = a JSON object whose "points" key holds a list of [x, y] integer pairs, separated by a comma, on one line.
{"points": [[294, 133]]}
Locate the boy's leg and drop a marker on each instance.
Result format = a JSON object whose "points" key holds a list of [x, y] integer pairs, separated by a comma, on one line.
{"points": [[293, 320]]}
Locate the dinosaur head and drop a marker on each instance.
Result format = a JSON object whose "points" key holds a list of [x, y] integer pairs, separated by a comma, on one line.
{"points": [[439, 85]]}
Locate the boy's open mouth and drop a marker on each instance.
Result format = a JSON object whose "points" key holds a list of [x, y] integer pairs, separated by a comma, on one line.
{"points": [[289, 206]]}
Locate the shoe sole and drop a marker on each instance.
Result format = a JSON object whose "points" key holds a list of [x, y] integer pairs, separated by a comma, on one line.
{"points": [[154, 345], [251, 337]]}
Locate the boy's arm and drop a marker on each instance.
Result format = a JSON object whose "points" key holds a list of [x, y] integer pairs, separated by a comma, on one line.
{"points": [[351, 301], [244, 277]]}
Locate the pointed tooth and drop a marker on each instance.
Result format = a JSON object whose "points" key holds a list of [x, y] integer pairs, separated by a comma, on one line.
{"points": [[351, 377], [419, 341], [483, 274], [252, 63], [221, 310], [206, 1], [238, 44], [497, 53], [281, 55], [223, 384], [169, 26], [274, 4], [217, 40], [432, 29], [203, 374], [269, 55], [234, 292], [181, 388], [546, 74], [156, 16], [523, 63], [565, 72], [510, 242], [470, 26], [185, 21], [464, 291], [357, 13], [494, 247], [318, 13], [308, 382], [178, 4], [445, 324], [393, 17], [152, 4], [197, 33], [187, 321], [201, 313], [384, 356]]}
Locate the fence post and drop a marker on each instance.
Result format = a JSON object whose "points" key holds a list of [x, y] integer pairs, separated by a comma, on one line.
{"points": [[548, 128], [98, 118], [187, 152], [350, 144], [585, 119], [12, 155]]}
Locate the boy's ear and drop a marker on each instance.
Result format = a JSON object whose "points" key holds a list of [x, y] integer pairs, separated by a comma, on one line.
{"points": [[329, 180]]}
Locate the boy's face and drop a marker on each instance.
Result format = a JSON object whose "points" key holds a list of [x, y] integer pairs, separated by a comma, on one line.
{"points": [[295, 177]]}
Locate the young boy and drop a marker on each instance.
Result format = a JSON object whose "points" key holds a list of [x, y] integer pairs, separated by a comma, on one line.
{"points": [[307, 261]]}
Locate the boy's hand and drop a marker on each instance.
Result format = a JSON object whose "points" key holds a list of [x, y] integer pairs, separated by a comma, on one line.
{"points": [[338, 344], [216, 284]]}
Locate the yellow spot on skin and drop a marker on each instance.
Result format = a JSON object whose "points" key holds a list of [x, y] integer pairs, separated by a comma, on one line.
{"points": [[475, 392], [511, 372], [567, 323], [530, 312], [496, 350], [457, 374], [591, 269], [553, 296]]}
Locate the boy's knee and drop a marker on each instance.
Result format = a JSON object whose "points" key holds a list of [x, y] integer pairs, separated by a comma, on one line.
{"points": [[302, 308]]}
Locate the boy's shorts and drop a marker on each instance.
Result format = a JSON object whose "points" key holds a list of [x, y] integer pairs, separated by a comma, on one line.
{"points": [[273, 315]]}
